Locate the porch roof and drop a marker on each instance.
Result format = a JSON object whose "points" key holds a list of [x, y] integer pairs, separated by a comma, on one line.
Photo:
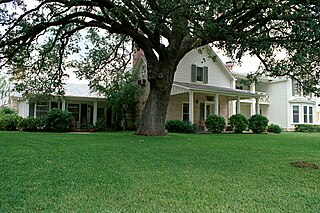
{"points": [[213, 89]]}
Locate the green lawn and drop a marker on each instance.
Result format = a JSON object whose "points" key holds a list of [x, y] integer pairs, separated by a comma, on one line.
{"points": [[122, 172]]}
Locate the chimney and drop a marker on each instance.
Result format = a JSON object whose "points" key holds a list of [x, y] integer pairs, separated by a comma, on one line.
{"points": [[137, 54], [229, 65]]}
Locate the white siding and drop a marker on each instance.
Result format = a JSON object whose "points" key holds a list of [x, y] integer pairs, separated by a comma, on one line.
{"points": [[278, 109], [217, 74]]}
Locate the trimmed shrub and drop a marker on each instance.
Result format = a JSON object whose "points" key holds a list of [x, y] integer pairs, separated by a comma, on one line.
{"points": [[258, 123], [274, 128], [31, 124], [9, 122], [307, 128], [215, 123], [238, 123], [57, 120], [179, 126], [7, 111]]}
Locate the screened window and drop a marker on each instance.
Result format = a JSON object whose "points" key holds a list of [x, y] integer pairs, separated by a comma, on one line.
{"points": [[185, 111], [295, 113], [42, 108], [54, 105]]}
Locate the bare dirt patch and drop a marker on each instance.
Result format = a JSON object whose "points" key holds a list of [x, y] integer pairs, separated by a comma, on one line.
{"points": [[304, 164]]}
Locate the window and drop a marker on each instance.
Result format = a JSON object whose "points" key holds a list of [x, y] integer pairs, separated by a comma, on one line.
{"points": [[31, 109], [295, 113], [305, 114], [310, 114], [42, 108], [199, 74], [185, 111], [54, 105]]}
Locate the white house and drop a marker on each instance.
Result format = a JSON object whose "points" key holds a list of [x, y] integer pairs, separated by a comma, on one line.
{"points": [[204, 85]]}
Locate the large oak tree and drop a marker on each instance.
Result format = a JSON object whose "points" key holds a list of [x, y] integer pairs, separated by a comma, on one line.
{"points": [[39, 42]]}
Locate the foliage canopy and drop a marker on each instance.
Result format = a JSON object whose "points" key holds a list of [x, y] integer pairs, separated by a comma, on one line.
{"points": [[39, 43]]}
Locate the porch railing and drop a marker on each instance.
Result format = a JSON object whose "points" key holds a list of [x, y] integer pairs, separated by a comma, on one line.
{"points": [[264, 96]]}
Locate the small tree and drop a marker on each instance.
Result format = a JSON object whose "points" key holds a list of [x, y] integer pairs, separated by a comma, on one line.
{"points": [[258, 123], [239, 123], [215, 123], [122, 93]]}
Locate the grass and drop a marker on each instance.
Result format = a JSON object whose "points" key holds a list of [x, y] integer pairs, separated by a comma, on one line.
{"points": [[121, 172]]}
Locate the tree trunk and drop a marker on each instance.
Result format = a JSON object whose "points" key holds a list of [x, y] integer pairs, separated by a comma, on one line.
{"points": [[155, 110]]}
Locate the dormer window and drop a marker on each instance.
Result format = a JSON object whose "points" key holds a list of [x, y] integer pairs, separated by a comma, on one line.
{"points": [[199, 74]]}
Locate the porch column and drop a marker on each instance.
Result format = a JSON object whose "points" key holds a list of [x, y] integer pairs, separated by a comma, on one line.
{"points": [[253, 101], [238, 105], [257, 106], [95, 112], [216, 104], [191, 113], [63, 105]]}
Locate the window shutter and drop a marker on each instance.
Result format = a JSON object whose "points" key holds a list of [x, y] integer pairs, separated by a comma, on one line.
{"points": [[193, 73], [205, 75]]}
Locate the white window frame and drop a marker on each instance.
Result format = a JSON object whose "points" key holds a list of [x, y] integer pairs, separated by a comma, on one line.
{"points": [[293, 106]]}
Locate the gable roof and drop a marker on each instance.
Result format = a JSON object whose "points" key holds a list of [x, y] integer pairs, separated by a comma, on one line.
{"points": [[212, 53]]}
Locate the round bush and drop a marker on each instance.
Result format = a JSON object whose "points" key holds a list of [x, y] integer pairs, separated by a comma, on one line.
{"points": [[239, 123], [57, 120], [215, 123], [274, 128], [179, 126], [258, 123]]}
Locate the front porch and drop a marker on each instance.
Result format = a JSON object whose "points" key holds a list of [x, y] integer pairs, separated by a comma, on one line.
{"points": [[195, 102]]}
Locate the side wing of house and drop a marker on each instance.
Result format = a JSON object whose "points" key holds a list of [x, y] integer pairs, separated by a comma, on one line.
{"points": [[301, 106], [86, 107]]}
